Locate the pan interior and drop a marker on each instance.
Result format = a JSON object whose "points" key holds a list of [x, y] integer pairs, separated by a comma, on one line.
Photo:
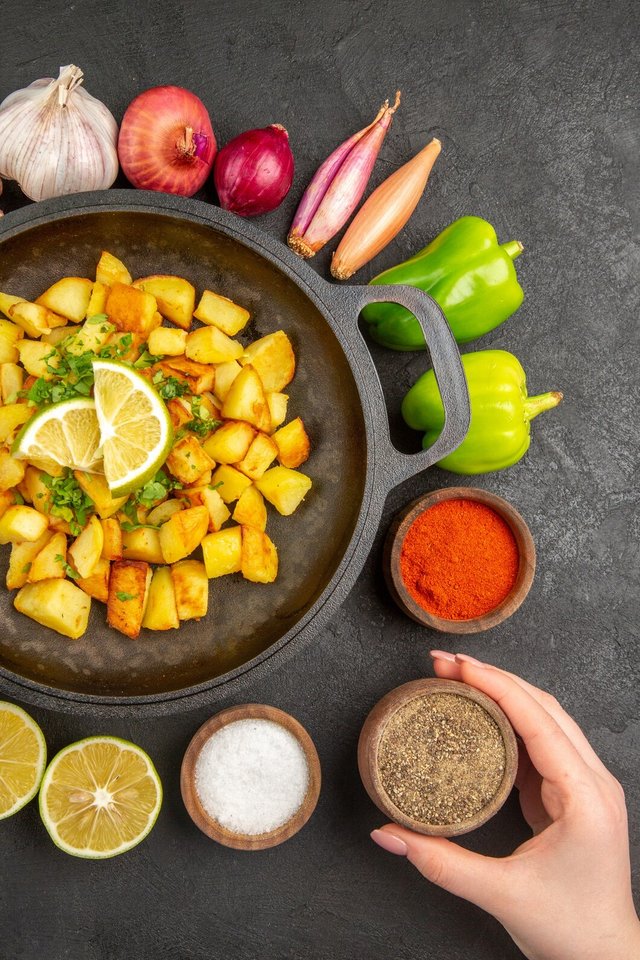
{"points": [[244, 619]]}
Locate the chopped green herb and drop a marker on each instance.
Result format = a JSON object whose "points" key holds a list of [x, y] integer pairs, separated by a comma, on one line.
{"points": [[18, 498], [68, 500], [169, 387], [146, 359], [123, 597], [98, 318], [214, 486], [68, 569], [26, 568]]}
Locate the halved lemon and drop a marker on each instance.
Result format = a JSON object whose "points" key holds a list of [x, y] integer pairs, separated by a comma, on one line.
{"points": [[100, 797], [67, 432], [23, 755], [135, 426]]}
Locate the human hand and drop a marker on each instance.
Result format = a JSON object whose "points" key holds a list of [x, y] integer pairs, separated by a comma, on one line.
{"points": [[565, 894]]}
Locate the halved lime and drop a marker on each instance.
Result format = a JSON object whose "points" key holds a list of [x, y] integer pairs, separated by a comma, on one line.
{"points": [[66, 432], [23, 755], [100, 797], [135, 426]]}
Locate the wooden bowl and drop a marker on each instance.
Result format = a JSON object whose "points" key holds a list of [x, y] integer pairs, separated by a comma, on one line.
{"points": [[374, 727], [210, 826], [524, 577]]}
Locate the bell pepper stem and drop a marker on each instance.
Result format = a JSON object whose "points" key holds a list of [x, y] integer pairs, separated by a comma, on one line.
{"points": [[544, 401], [513, 248]]}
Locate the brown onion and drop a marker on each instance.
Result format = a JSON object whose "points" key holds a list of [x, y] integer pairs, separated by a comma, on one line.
{"points": [[254, 171]]}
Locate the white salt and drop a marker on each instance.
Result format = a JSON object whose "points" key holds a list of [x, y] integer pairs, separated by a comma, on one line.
{"points": [[252, 776]]}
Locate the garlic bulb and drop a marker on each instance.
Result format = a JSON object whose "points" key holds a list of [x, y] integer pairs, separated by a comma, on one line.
{"points": [[55, 138]]}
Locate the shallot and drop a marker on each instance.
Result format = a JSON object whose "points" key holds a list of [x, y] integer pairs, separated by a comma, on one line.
{"points": [[384, 213], [166, 141], [338, 185]]}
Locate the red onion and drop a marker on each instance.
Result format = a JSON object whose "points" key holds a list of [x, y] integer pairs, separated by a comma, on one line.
{"points": [[253, 172], [166, 141]]}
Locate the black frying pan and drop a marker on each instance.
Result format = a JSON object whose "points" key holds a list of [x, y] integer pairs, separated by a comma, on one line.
{"points": [[323, 546]]}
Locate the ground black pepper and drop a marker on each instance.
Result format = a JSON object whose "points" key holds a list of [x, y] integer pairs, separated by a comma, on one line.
{"points": [[441, 758]]}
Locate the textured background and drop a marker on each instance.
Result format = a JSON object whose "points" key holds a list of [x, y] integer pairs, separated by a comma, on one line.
{"points": [[536, 105]]}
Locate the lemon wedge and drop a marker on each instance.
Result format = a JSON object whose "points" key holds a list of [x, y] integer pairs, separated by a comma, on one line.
{"points": [[23, 754]]}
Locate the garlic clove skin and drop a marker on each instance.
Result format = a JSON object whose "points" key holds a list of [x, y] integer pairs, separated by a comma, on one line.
{"points": [[55, 138]]}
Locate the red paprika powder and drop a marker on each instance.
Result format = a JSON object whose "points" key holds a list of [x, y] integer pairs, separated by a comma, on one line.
{"points": [[459, 559]]}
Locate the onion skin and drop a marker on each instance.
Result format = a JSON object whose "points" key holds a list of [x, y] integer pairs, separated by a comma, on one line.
{"points": [[254, 171], [166, 141], [384, 213]]}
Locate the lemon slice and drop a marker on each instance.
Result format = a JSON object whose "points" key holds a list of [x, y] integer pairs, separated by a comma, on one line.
{"points": [[23, 754], [135, 426], [100, 797], [66, 432]]}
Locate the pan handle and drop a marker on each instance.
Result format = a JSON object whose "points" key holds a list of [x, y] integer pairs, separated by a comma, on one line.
{"points": [[448, 371]]}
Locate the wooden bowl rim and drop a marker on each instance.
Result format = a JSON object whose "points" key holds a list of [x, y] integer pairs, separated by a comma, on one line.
{"points": [[210, 826], [524, 577], [376, 723]]}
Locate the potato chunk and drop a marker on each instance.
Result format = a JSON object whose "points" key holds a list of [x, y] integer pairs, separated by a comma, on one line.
{"points": [[164, 342], [50, 561], [222, 552], [8, 300], [284, 488], [34, 318], [191, 586], [12, 416], [95, 486], [211, 345], [97, 585], [161, 612], [273, 359], [131, 310], [22, 556], [230, 442], [175, 297], [246, 401], [12, 471], [218, 311], [86, 549], [293, 444], [233, 483], [112, 539], [38, 358], [183, 532], [259, 556], [142, 544], [127, 599], [68, 297], [22, 523], [97, 300], [11, 379], [188, 460], [278, 403], [57, 604], [204, 496], [250, 509], [260, 455], [110, 270]]}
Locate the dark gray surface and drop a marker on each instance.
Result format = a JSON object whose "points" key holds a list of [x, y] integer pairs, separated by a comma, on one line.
{"points": [[536, 104]]}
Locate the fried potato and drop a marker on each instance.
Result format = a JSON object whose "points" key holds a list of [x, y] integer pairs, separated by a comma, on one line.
{"points": [[110, 270], [48, 564], [246, 401], [142, 544], [95, 486], [164, 342], [175, 297], [230, 442], [57, 604], [127, 599], [211, 345], [232, 482], [259, 561], [86, 550], [259, 457], [161, 612], [250, 509], [68, 297], [22, 556], [222, 552], [21, 523], [131, 310], [183, 532], [12, 471], [97, 585], [191, 586], [284, 488], [293, 444], [112, 539], [273, 359], [188, 460], [214, 309]]}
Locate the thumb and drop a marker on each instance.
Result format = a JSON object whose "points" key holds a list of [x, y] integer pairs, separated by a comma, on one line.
{"points": [[466, 874]]}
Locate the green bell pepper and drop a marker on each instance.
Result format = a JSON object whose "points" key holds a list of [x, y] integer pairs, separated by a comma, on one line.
{"points": [[467, 273], [499, 433]]}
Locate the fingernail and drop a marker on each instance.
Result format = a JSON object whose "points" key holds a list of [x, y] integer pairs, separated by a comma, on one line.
{"points": [[465, 658], [389, 843], [442, 655]]}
